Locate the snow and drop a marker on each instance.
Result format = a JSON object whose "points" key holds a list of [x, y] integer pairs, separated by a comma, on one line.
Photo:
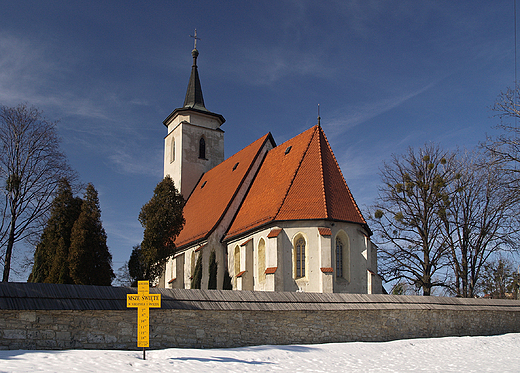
{"points": [[450, 354]]}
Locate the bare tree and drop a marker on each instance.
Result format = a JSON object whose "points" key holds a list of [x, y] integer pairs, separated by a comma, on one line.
{"points": [[505, 149], [478, 220], [406, 219], [31, 167]]}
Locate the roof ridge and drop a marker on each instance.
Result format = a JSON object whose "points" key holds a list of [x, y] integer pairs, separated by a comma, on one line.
{"points": [[296, 172], [343, 177], [320, 156]]}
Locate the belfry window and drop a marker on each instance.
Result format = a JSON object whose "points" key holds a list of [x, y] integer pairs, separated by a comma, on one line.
{"points": [[172, 154], [300, 258], [339, 257], [202, 148]]}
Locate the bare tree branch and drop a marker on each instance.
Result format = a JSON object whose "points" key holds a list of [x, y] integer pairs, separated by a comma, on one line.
{"points": [[31, 166]]}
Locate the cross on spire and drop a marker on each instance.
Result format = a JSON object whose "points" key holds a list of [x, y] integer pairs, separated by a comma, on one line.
{"points": [[196, 38]]}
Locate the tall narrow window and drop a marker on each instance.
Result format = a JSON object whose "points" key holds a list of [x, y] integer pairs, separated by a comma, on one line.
{"points": [[172, 155], [202, 148], [339, 257], [261, 260], [237, 260], [300, 258]]}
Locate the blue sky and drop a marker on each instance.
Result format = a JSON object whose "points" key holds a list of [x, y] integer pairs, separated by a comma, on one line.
{"points": [[387, 75]]}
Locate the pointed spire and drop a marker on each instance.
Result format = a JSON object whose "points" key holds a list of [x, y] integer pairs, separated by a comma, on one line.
{"points": [[194, 97], [194, 102]]}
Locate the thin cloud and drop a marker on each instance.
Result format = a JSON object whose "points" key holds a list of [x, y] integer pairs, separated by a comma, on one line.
{"points": [[353, 116], [93, 120]]}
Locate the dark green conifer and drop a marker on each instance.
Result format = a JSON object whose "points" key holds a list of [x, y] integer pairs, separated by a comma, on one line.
{"points": [[196, 280], [212, 283], [162, 220], [89, 259], [227, 285], [136, 265], [51, 254]]}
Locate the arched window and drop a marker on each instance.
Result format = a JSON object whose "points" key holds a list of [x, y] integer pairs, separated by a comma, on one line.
{"points": [[261, 260], [339, 257], [300, 257], [343, 256], [237, 260], [202, 148], [172, 154]]}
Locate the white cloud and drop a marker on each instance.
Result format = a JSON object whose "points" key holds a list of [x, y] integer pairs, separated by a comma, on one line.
{"points": [[95, 119], [354, 115]]}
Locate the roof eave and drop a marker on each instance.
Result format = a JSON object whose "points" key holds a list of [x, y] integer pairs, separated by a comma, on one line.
{"points": [[193, 109]]}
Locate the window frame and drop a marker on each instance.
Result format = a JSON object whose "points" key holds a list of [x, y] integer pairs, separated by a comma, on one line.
{"points": [[300, 257], [202, 148]]}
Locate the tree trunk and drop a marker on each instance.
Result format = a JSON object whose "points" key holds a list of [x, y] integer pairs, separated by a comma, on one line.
{"points": [[9, 251]]}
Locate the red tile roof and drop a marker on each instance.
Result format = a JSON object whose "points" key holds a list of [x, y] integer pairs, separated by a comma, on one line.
{"points": [[214, 193], [325, 231], [274, 233], [299, 180]]}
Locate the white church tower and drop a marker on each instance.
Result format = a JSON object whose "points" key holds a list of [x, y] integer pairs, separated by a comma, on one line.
{"points": [[194, 143]]}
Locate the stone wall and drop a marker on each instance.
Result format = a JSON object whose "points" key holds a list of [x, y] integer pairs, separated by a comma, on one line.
{"points": [[116, 329]]}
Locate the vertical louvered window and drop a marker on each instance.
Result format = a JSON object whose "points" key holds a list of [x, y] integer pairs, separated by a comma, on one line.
{"points": [[172, 155], [339, 258], [202, 148], [300, 258]]}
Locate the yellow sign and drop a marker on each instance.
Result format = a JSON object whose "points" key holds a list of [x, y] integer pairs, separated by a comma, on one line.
{"points": [[143, 300]]}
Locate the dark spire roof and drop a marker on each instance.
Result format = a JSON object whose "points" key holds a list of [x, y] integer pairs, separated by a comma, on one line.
{"points": [[194, 97], [194, 100]]}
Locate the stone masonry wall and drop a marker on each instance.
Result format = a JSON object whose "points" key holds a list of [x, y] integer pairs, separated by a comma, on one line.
{"points": [[116, 329]]}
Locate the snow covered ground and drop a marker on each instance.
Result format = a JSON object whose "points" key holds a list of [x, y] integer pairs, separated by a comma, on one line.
{"points": [[452, 354]]}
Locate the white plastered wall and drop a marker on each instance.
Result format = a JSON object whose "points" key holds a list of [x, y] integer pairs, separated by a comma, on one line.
{"points": [[320, 253]]}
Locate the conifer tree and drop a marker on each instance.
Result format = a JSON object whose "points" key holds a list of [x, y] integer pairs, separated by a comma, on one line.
{"points": [[196, 280], [162, 220], [227, 285], [89, 258], [51, 254], [212, 283], [136, 266]]}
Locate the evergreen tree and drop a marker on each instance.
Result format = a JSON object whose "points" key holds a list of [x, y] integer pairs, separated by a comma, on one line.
{"points": [[136, 266], [51, 254], [162, 221], [227, 285], [212, 283], [89, 259], [196, 280]]}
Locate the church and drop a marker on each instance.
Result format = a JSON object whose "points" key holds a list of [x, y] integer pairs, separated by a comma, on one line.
{"points": [[274, 217]]}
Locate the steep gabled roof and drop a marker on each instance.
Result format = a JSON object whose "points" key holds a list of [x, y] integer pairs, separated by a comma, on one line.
{"points": [[299, 180], [215, 192]]}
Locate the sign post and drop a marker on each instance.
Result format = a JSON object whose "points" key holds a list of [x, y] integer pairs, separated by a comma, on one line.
{"points": [[143, 300]]}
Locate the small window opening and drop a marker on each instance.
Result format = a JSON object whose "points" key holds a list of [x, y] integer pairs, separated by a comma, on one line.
{"points": [[339, 258], [288, 150], [203, 184], [172, 155], [235, 166], [300, 258], [202, 148]]}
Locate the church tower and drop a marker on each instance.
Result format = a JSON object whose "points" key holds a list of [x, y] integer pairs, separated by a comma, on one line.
{"points": [[194, 143]]}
